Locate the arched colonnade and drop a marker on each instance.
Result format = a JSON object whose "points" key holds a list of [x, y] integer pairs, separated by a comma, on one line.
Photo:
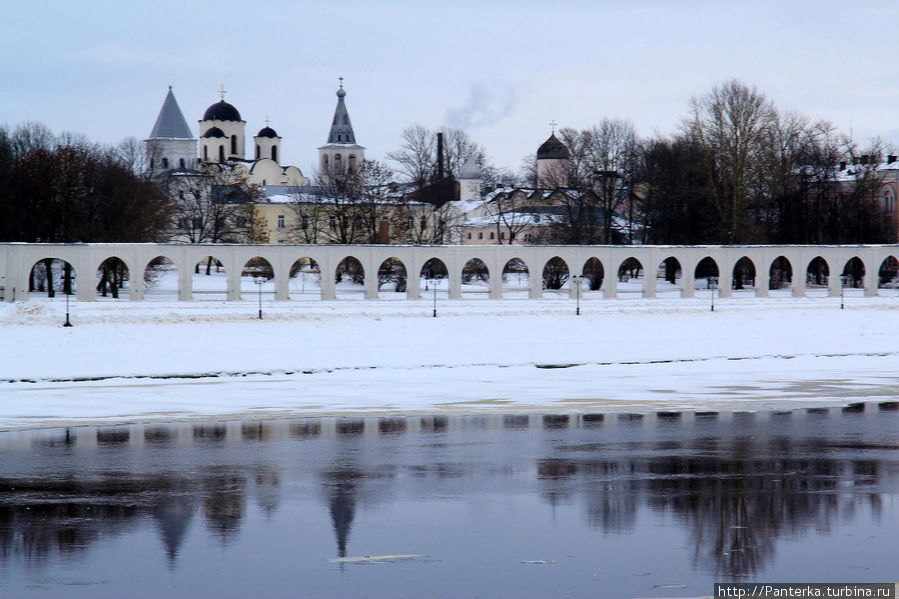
{"points": [[17, 260]]}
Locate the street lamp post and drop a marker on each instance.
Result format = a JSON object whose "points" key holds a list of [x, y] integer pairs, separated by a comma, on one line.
{"points": [[842, 290], [577, 293], [434, 285], [68, 322], [259, 281], [713, 282]]}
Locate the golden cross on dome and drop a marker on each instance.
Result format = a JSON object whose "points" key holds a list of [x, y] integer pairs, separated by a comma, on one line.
{"points": [[553, 124], [266, 120], [341, 82], [223, 92]]}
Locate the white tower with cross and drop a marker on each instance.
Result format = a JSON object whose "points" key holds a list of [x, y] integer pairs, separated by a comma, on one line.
{"points": [[222, 132]]}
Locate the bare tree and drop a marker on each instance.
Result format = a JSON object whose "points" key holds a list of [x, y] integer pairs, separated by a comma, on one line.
{"points": [[731, 124]]}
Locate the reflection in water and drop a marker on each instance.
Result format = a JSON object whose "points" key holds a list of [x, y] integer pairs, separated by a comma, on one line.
{"points": [[737, 485]]}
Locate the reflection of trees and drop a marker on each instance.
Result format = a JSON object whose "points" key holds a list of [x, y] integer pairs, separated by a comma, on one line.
{"points": [[734, 507], [224, 501]]}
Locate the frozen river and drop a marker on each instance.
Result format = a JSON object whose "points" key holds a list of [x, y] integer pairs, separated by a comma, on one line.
{"points": [[495, 505]]}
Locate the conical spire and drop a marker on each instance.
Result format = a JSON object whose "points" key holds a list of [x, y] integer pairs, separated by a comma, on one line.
{"points": [[170, 123], [341, 128]]}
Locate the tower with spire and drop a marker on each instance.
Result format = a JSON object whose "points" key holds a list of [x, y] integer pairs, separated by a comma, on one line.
{"points": [[341, 154], [171, 144]]}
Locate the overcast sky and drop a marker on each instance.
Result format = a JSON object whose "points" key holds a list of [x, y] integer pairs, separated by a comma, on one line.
{"points": [[500, 70]]}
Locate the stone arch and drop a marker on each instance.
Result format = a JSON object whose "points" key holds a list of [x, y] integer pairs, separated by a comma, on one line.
{"points": [[817, 274], [594, 272], [305, 279], [854, 273], [516, 278], [671, 273], [475, 277], [630, 275], [112, 276], [888, 274], [706, 274], [257, 276], [392, 276], [51, 276], [555, 274], [349, 277], [161, 278], [744, 274], [210, 281], [434, 275], [780, 275]]}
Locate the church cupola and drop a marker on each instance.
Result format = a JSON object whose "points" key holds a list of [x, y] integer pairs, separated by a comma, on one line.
{"points": [[341, 154], [170, 145], [552, 162], [223, 132], [268, 144]]}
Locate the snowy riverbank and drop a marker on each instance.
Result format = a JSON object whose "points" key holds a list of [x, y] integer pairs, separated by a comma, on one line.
{"points": [[215, 359]]}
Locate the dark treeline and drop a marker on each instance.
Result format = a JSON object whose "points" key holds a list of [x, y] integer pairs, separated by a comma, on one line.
{"points": [[62, 189]]}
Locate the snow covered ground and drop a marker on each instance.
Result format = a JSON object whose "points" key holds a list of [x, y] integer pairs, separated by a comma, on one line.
{"points": [[165, 360]]}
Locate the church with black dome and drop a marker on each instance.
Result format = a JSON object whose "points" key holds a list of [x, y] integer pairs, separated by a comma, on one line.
{"points": [[223, 140]]}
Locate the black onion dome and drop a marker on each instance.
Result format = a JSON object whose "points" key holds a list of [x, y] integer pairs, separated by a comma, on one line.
{"points": [[552, 148], [266, 132], [214, 132], [221, 111]]}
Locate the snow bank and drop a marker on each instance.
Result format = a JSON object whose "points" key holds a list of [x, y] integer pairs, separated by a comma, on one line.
{"points": [[479, 354]]}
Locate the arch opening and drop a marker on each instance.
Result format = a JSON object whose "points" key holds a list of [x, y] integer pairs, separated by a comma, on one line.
{"points": [[392, 279], [853, 276], [630, 278], [257, 277], [744, 275], [305, 280], [515, 278], [112, 277], [780, 275], [817, 275], [210, 281], [161, 279], [475, 278], [51, 276], [434, 277], [594, 273], [888, 276], [668, 277], [555, 275], [349, 278], [706, 274]]}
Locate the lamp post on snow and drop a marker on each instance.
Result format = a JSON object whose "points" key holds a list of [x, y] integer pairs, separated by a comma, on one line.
{"points": [[434, 285], [68, 322], [577, 293], [259, 281], [713, 283], [842, 290]]}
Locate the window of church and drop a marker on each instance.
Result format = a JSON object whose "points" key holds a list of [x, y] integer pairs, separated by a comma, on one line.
{"points": [[165, 162], [151, 164], [181, 163], [411, 222], [275, 153], [280, 221], [480, 236], [257, 152], [221, 153], [332, 222], [424, 222], [305, 221], [206, 153], [491, 235], [233, 145], [469, 235]]}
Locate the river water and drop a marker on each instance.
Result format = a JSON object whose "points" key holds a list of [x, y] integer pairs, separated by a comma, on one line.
{"points": [[624, 505]]}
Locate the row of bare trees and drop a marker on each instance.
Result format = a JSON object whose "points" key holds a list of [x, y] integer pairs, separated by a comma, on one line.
{"points": [[63, 188]]}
